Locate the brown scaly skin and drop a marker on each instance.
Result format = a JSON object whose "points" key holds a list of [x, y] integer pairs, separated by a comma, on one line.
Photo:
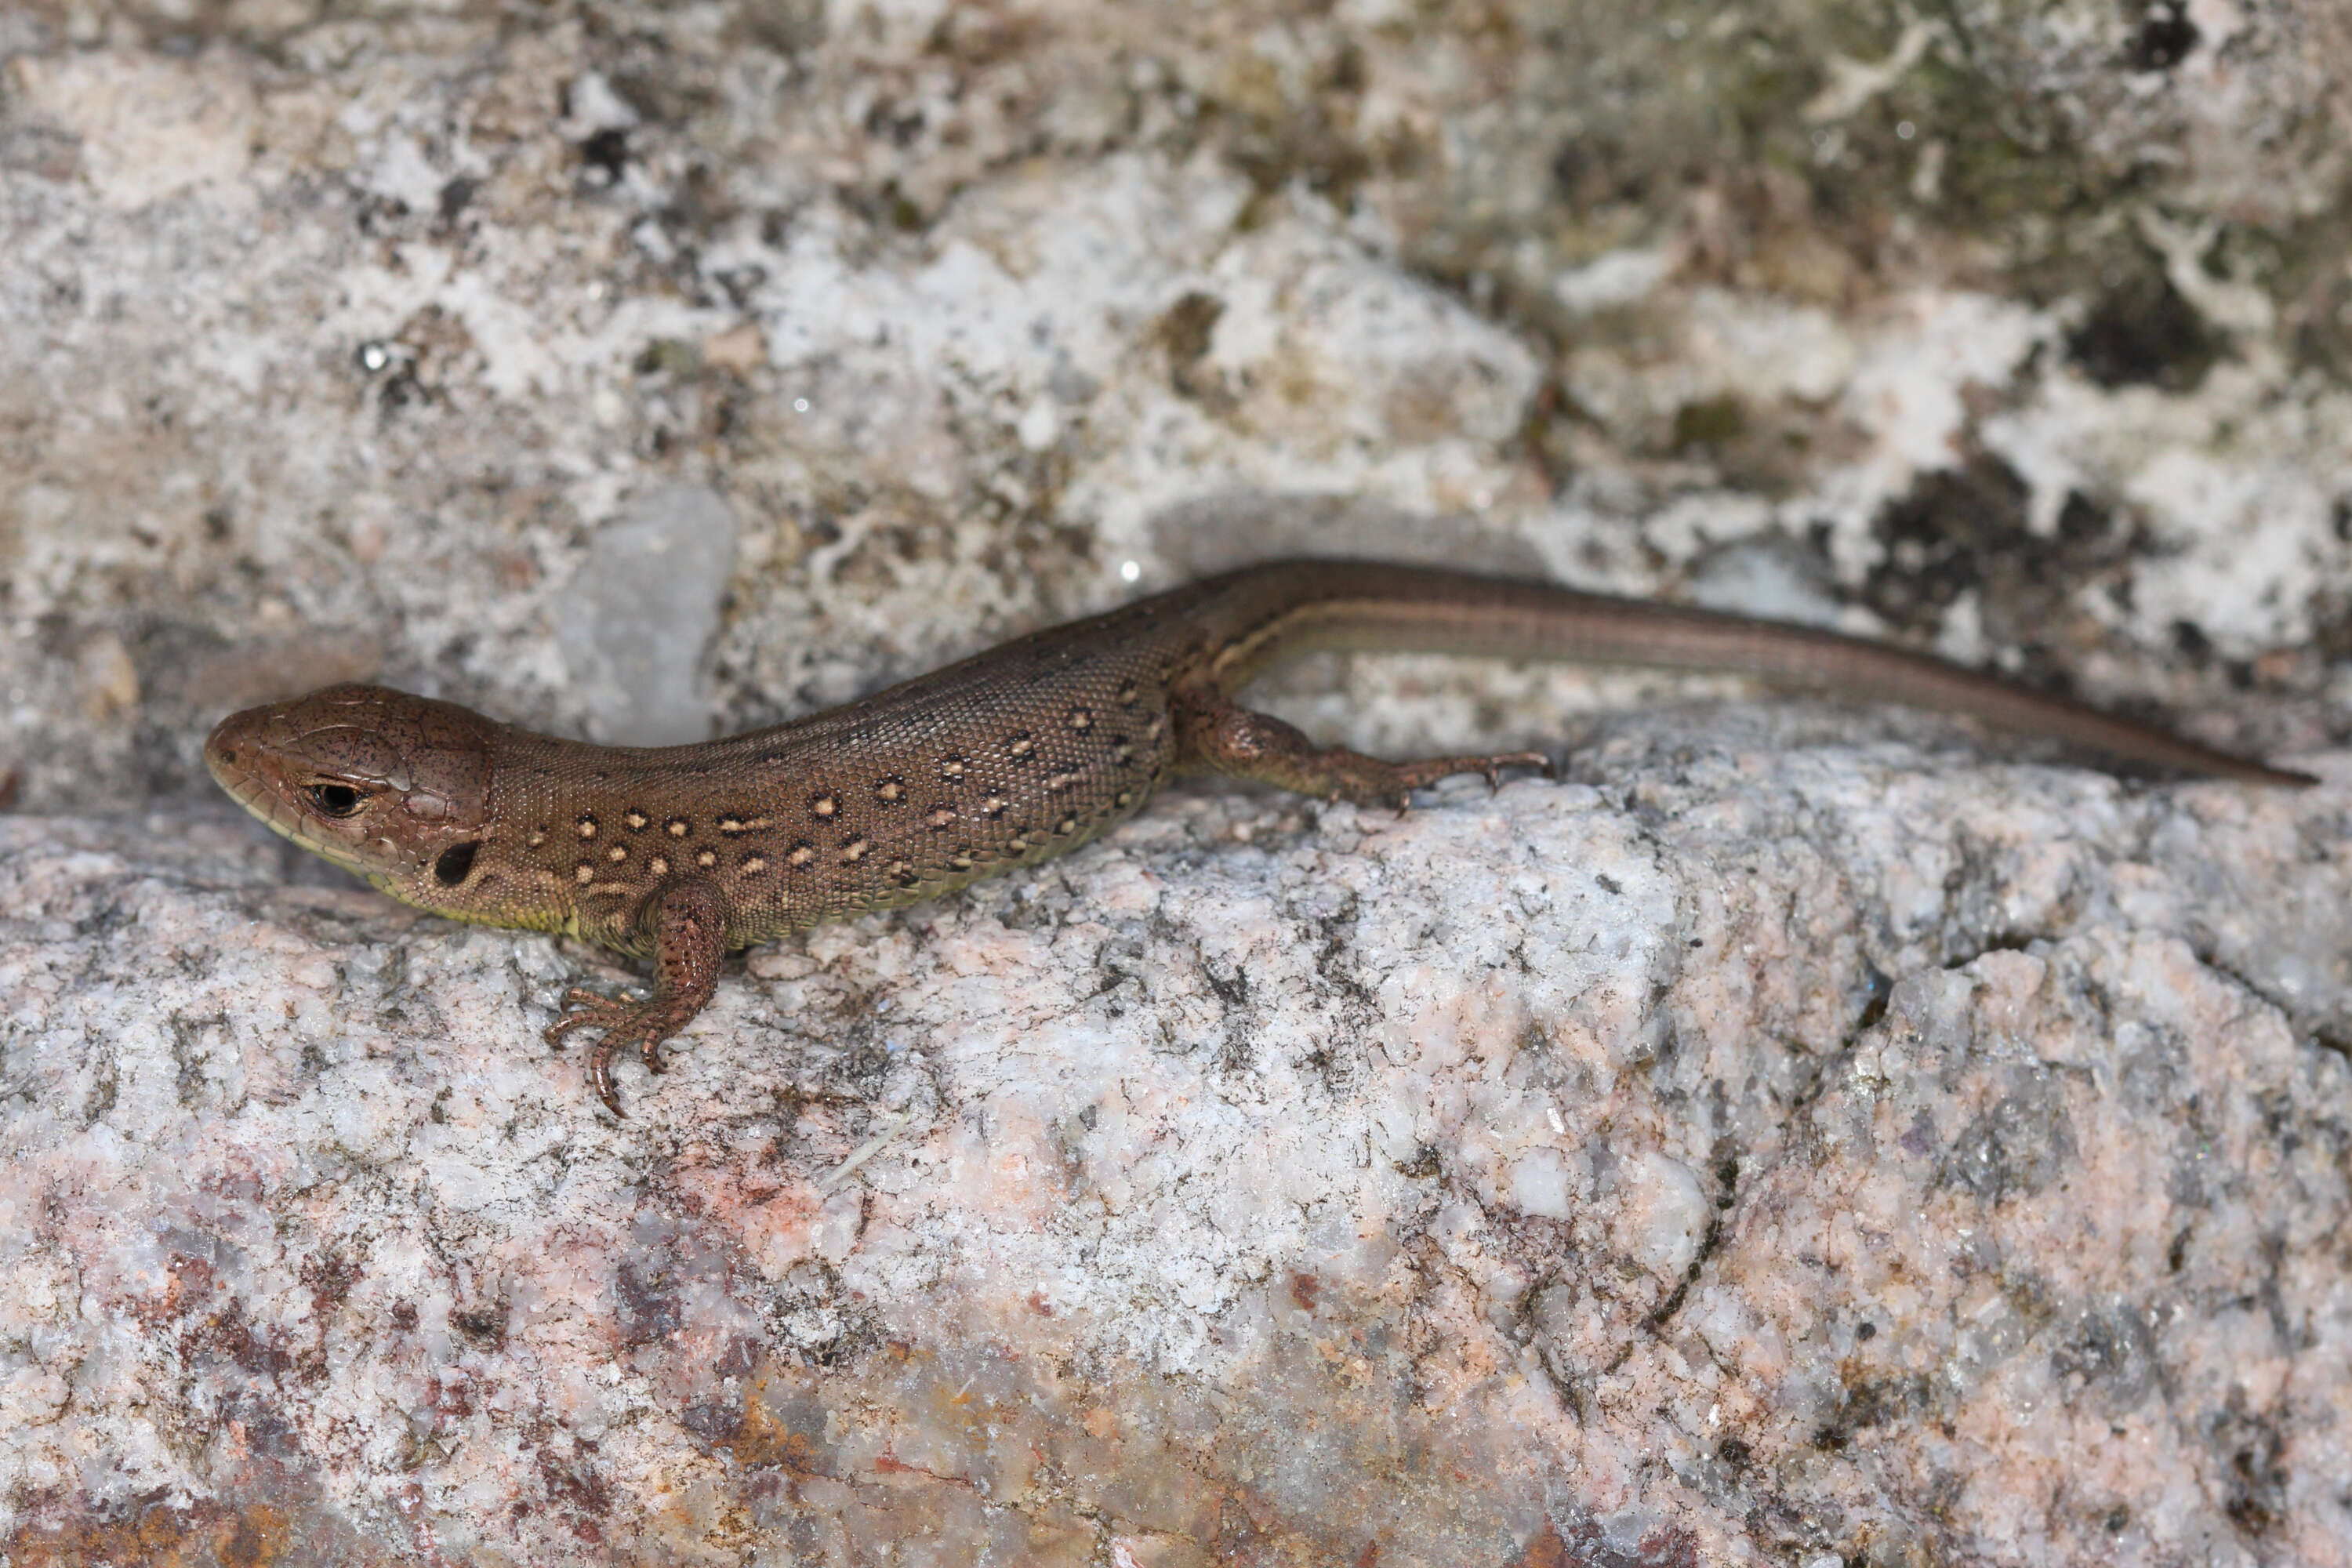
{"points": [[681, 853]]}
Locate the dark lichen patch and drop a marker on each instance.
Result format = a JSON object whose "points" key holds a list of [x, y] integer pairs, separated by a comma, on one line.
{"points": [[485, 1325], [1939, 541], [1708, 423], [1875, 1401], [1183, 333], [1423, 1164], [2139, 332], [603, 157], [1967, 529], [2162, 35], [1300, 134], [1601, 168]]}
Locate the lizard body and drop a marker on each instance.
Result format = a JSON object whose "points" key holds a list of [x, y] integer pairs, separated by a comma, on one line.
{"points": [[680, 854]]}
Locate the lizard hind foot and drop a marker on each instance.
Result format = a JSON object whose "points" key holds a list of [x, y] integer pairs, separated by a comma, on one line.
{"points": [[1251, 745]]}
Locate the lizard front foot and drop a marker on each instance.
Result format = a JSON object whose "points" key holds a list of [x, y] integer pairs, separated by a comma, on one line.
{"points": [[643, 1023], [688, 928]]}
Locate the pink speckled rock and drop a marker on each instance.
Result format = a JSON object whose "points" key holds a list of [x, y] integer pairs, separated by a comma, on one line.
{"points": [[1754, 1158]]}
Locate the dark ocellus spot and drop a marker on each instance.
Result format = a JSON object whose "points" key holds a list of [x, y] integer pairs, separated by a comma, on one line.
{"points": [[455, 863]]}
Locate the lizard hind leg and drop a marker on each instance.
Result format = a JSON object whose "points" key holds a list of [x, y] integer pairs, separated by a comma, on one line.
{"points": [[1234, 740]]}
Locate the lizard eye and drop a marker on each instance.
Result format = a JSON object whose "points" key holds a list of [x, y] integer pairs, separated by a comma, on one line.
{"points": [[335, 799]]}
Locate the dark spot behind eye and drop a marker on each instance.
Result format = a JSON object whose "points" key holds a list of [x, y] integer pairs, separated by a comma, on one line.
{"points": [[455, 862], [335, 799]]}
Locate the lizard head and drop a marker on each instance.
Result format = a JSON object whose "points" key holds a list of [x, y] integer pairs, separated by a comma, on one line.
{"points": [[392, 786]]}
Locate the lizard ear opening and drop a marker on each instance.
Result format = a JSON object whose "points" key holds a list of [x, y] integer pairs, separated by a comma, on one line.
{"points": [[455, 863]]}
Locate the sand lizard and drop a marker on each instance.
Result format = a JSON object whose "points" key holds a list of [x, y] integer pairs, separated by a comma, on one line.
{"points": [[680, 854]]}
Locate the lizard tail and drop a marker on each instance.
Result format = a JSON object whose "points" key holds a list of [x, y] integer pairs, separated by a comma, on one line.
{"points": [[1273, 612]]}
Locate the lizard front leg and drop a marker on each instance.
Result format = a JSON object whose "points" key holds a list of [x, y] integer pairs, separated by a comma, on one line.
{"points": [[688, 925], [1252, 745]]}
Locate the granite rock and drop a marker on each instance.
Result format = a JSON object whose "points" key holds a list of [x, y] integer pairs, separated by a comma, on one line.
{"points": [[1758, 1149]]}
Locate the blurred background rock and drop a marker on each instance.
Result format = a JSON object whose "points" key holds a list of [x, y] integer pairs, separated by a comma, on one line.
{"points": [[329, 336]]}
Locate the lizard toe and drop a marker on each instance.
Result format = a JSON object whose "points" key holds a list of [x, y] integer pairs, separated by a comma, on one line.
{"points": [[587, 1009], [553, 1033], [600, 1075], [1540, 760]]}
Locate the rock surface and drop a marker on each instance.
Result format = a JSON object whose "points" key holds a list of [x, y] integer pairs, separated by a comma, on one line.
{"points": [[1797, 1140], [1757, 1152]]}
